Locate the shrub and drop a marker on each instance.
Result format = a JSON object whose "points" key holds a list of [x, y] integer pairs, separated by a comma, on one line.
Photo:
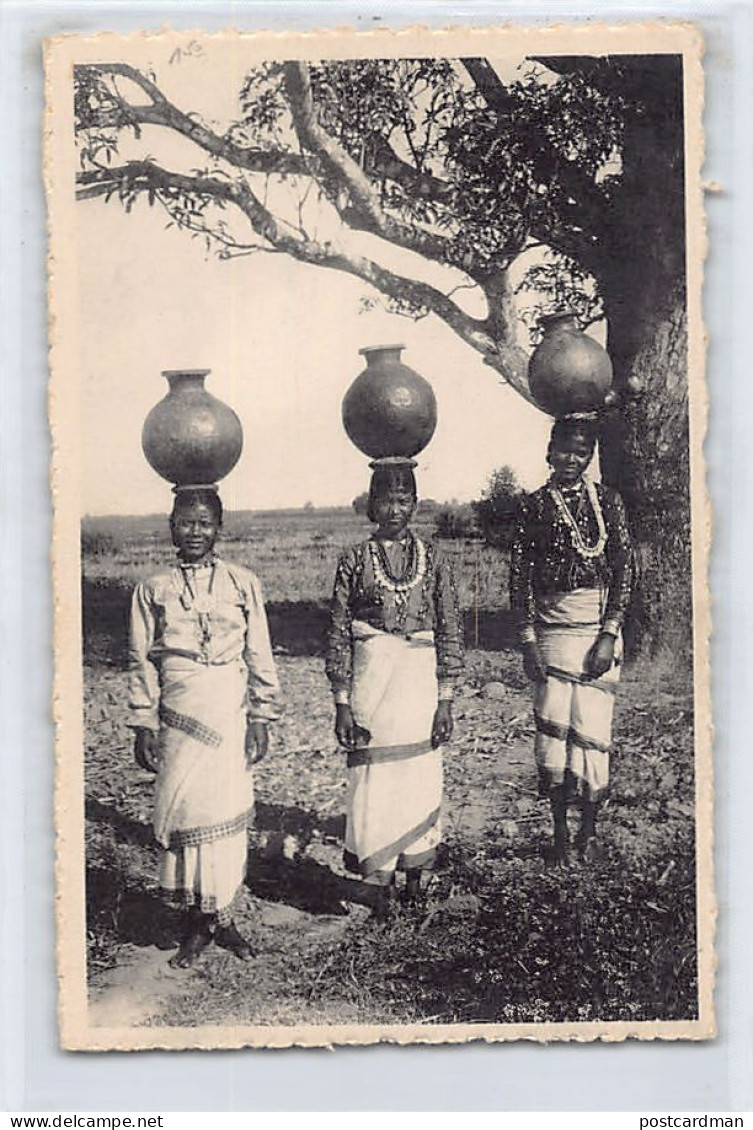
{"points": [[495, 510], [361, 504], [455, 520], [97, 543]]}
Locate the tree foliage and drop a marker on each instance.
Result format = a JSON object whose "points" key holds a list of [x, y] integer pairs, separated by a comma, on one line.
{"points": [[562, 184], [495, 510], [435, 156], [361, 504], [454, 520]]}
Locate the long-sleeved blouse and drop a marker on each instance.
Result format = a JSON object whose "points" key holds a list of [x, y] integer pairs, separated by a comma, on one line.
{"points": [[544, 559], [360, 594], [212, 615]]}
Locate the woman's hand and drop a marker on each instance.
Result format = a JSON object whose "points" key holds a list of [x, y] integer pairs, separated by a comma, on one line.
{"points": [[533, 662], [347, 732], [257, 742], [441, 729], [601, 656], [146, 749]]}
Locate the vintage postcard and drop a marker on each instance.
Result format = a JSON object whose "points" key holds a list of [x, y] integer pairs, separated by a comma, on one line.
{"points": [[381, 537]]}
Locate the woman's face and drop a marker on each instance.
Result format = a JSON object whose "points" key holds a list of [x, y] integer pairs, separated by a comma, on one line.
{"points": [[392, 511], [194, 529], [568, 459]]}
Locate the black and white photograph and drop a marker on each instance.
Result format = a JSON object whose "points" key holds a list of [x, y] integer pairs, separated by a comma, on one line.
{"points": [[381, 537]]}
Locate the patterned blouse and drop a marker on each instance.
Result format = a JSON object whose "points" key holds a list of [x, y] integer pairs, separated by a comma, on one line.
{"points": [[544, 560], [359, 594]]}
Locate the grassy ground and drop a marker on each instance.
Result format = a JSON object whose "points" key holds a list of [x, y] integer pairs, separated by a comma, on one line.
{"points": [[502, 937]]}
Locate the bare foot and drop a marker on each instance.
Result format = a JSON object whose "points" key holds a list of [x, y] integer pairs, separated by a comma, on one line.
{"points": [[230, 939], [560, 852], [560, 855], [589, 850], [192, 948], [384, 904], [413, 895]]}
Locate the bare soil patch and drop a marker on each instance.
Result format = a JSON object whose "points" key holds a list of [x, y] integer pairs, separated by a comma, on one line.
{"points": [[502, 936]]}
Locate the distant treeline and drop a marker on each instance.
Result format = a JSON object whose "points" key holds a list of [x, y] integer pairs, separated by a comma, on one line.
{"points": [[488, 518]]}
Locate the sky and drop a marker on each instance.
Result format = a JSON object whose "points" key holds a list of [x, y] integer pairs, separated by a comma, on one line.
{"points": [[282, 342]]}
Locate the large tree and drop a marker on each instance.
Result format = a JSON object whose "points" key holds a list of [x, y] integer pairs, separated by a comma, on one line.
{"points": [[574, 167]]}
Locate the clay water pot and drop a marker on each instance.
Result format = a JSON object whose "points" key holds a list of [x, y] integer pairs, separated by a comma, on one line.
{"points": [[568, 370], [389, 410], [191, 437]]}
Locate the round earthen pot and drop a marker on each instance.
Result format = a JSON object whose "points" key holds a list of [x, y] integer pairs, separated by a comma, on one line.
{"points": [[389, 410], [191, 437], [568, 370]]}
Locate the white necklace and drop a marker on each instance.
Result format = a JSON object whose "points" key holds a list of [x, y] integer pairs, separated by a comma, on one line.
{"points": [[579, 545], [402, 587]]}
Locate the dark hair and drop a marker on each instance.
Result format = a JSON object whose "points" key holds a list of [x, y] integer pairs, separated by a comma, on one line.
{"points": [[389, 477], [573, 427], [205, 496]]}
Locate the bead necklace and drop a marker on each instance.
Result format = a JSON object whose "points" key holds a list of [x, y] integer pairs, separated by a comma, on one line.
{"points": [[191, 600], [586, 551], [414, 573]]}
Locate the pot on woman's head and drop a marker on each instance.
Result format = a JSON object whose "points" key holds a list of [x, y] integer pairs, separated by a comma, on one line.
{"points": [[389, 410], [190, 436], [568, 371]]}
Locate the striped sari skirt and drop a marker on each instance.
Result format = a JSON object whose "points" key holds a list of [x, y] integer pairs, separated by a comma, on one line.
{"points": [[394, 779], [204, 791], [573, 711]]}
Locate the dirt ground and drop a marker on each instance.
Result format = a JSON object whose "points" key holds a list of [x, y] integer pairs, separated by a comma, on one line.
{"points": [[502, 935], [297, 888]]}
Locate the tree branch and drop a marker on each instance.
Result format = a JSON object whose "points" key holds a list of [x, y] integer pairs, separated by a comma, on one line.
{"points": [[507, 358], [140, 176], [501, 321], [144, 176], [382, 161], [549, 166], [364, 210], [161, 112], [365, 213]]}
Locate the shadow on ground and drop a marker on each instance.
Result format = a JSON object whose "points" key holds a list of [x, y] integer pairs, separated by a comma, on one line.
{"points": [[118, 913], [126, 829], [105, 606], [303, 883], [127, 914], [276, 818], [298, 628], [490, 629]]}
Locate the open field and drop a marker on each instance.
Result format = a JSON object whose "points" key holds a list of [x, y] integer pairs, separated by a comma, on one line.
{"points": [[503, 937]]}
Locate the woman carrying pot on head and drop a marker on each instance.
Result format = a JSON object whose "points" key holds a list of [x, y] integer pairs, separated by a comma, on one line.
{"points": [[203, 690], [394, 653], [571, 577]]}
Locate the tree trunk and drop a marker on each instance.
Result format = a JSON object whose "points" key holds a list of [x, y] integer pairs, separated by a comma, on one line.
{"points": [[645, 441], [644, 453]]}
